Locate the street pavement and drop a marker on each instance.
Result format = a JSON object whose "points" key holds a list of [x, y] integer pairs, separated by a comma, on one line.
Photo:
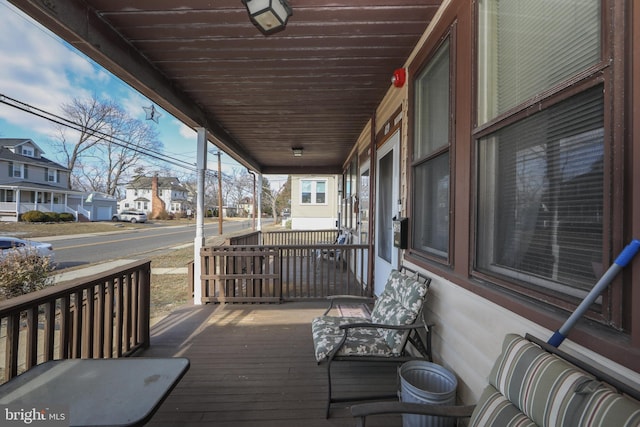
{"points": [[93, 269]]}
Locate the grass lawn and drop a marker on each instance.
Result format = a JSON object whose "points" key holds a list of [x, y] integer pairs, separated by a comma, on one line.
{"points": [[170, 291]]}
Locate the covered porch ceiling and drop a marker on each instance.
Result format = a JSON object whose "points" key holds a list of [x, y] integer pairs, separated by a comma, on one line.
{"points": [[314, 85]]}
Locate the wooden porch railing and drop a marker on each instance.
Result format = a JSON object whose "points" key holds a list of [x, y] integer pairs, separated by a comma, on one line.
{"points": [[245, 239], [256, 273], [298, 237], [102, 316]]}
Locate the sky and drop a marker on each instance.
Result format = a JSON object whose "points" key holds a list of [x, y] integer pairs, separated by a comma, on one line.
{"points": [[40, 69]]}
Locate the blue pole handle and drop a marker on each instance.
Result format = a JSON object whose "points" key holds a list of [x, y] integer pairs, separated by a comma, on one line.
{"points": [[621, 261], [628, 253]]}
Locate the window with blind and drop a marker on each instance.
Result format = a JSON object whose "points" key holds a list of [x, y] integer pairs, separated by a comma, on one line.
{"points": [[431, 169], [527, 47], [540, 198]]}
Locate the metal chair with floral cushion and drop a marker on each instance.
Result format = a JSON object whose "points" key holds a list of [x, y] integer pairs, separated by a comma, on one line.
{"points": [[396, 332]]}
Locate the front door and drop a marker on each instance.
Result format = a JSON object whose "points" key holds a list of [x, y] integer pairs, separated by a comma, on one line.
{"points": [[387, 207]]}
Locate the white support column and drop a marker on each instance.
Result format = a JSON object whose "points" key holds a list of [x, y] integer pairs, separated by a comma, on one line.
{"points": [[198, 242], [18, 204], [259, 203]]}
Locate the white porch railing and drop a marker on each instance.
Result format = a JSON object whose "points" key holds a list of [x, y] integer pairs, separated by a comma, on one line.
{"points": [[81, 210], [7, 206], [43, 207]]}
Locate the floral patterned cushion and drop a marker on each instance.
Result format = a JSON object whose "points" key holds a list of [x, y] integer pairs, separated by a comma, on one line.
{"points": [[361, 341], [406, 289], [399, 304]]}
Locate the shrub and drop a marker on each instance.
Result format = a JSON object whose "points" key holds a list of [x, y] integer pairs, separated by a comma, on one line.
{"points": [[163, 215], [52, 217], [66, 217], [34, 216], [23, 272]]}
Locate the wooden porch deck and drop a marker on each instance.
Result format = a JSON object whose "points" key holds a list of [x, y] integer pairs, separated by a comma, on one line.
{"points": [[253, 365]]}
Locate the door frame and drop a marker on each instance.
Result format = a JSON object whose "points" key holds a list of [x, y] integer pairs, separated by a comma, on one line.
{"points": [[382, 267]]}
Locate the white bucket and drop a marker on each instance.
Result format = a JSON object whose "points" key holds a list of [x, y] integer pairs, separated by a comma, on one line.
{"points": [[425, 382]]}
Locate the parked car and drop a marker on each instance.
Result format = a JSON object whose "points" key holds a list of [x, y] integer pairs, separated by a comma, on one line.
{"points": [[8, 244], [130, 216]]}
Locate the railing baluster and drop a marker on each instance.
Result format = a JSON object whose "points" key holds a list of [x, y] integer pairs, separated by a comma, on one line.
{"points": [[76, 335], [65, 326], [126, 336], [100, 320], [12, 346], [49, 329], [31, 324], [119, 314], [89, 323], [109, 318]]}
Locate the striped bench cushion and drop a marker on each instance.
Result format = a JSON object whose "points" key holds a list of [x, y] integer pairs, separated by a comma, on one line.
{"points": [[494, 409], [551, 392]]}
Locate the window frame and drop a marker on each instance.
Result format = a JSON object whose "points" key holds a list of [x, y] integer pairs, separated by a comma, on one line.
{"points": [[420, 255], [314, 192], [52, 175], [599, 73], [22, 170]]}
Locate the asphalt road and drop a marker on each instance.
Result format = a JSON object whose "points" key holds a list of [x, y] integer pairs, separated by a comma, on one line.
{"points": [[73, 251]]}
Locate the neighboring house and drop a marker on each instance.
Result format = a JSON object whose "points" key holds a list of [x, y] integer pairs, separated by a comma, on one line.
{"points": [[245, 207], [152, 194], [314, 202], [29, 181]]}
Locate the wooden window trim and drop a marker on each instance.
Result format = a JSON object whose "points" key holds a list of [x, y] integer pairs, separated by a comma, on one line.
{"points": [[622, 118], [411, 253]]}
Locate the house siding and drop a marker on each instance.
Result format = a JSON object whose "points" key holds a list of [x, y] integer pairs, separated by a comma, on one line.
{"points": [[468, 339], [35, 191], [314, 216], [139, 194]]}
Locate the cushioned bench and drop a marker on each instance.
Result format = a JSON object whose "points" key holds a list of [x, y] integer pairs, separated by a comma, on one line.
{"points": [[529, 386], [396, 321]]}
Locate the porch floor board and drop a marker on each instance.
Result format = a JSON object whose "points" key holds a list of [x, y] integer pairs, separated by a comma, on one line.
{"points": [[253, 365]]}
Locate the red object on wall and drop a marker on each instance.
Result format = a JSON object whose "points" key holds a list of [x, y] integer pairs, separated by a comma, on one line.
{"points": [[399, 77]]}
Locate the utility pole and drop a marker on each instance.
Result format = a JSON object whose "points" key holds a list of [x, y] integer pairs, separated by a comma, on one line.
{"points": [[219, 154]]}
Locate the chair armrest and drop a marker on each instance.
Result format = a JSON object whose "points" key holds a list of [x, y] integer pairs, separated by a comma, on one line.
{"points": [[376, 408], [351, 299], [369, 325]]}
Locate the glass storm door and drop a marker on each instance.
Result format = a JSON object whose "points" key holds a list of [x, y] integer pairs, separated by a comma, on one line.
{"points": [[387, 196]]}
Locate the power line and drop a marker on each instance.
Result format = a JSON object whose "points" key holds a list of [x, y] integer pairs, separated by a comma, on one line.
{"points": [[11, 102]]}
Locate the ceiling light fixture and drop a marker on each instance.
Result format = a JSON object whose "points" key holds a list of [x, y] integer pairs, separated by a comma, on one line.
{"points": [[297, 151], [269, 16]]}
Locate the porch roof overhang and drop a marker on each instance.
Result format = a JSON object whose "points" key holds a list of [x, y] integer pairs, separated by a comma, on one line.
{"points": [[314, 85]]}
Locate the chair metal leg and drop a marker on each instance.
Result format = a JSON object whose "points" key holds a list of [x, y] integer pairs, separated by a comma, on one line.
{"points": [[329, 389]]}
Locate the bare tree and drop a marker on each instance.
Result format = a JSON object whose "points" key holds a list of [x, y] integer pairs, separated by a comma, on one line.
{"points": [[275, 199], [105, 145], [237, 185], [134, 138], [92, 119]]}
